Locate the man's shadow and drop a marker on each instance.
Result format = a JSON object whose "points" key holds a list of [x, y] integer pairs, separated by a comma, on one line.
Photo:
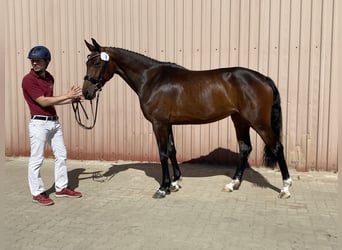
{"points": [[218, 162]]}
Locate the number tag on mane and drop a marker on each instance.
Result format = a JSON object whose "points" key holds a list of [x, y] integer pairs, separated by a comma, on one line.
{"points": [[104, 56]]}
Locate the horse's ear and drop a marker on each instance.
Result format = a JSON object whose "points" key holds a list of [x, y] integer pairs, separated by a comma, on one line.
{"points": [[90, 46], [96, 45]]}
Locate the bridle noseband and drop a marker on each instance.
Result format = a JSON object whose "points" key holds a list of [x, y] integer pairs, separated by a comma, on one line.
{"points": [[98, 87]]}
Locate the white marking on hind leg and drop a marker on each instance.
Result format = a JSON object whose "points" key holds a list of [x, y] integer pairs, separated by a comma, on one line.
{"points": [[285, 193]]}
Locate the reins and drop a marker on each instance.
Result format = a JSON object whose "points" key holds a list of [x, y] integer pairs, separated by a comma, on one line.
{"points": [[75, 106], [98, 84]]}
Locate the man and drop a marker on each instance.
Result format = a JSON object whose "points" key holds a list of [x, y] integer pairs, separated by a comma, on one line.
{"points": [[44, 126]]}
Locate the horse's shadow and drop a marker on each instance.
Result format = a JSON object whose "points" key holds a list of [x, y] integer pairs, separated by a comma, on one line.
{"points": [[218, 162]]}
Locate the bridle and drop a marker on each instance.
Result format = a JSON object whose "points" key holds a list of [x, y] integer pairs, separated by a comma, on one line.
{"points": [[76, 103], [98, 82]]}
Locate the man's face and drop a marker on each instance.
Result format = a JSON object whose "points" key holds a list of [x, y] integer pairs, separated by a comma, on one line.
{"points": [[38, 64]]}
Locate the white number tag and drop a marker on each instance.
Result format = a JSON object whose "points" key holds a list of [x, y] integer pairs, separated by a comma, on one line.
{"points": [[104, 56]]}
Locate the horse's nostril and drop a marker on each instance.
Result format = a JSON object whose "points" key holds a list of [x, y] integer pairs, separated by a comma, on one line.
{"points": [[86, 95]]}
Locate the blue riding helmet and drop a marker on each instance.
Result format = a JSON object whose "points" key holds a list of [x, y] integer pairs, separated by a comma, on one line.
{"points": [[39, 52]]}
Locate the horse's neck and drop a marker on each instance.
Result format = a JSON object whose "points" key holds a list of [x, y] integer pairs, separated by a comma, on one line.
{"points": [[131, 67]]}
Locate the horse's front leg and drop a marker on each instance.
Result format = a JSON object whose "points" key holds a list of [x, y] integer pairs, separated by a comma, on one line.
{"points": [[161, 133], [175, 186], [164, 188]]}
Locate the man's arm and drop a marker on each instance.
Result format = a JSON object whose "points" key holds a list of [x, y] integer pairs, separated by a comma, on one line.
{"points": [[45, 101]]}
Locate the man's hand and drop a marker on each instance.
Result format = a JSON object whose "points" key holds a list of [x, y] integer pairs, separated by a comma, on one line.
{"points": [[74, 92]]}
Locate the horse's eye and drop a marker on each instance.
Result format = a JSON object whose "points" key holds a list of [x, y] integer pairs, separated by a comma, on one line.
{"points": [[97, 63]]}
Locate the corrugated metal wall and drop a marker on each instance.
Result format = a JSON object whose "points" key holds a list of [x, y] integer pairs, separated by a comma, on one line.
{"points": [[292, 41]]}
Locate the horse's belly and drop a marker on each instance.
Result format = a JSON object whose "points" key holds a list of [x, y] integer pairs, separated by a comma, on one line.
{"points": [[199, 116]]}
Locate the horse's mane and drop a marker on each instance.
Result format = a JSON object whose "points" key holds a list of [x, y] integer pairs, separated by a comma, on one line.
{"points": [[145, 58]]}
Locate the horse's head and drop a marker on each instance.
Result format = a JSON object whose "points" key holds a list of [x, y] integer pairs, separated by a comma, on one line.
{"points": [[99, 70]]}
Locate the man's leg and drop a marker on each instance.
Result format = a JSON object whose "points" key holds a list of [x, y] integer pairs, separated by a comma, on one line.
{"points": [[38, 136], [59, 151]]}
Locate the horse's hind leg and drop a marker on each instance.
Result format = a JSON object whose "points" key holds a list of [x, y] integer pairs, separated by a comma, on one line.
{"points": [[287, 182], [172, 155], [242, 132], [275, 152]]}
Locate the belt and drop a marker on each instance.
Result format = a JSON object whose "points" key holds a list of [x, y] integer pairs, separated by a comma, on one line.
{"points": [[45, 118]]}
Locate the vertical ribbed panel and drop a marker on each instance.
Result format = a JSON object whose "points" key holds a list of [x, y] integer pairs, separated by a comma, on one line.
{"points": [[293, 42]]}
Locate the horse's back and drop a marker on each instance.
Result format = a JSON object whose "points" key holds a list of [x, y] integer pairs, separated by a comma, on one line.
{"points": [[175, 74]]}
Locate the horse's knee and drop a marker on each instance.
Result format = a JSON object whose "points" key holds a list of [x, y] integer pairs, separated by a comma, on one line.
{"points": [[245, 150], [171, 149], [171, 152], [163, 157]]}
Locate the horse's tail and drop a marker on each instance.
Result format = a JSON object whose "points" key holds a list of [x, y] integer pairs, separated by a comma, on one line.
{"points": [[276, 124]]}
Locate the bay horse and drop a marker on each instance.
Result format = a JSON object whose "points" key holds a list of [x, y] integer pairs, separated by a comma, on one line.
{"points": [[170, 94]]}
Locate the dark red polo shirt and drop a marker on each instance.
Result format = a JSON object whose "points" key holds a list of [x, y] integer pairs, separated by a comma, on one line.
{"points": [[33, 87]]}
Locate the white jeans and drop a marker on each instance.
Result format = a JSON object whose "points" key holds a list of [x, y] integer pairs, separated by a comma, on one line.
{"points": [[42, 132]]}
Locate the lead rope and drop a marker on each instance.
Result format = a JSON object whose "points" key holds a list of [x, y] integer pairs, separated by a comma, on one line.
{"points": [[75, 106]]}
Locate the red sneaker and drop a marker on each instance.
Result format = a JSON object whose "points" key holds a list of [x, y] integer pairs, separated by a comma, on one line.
{"points": [[67, 192], [42, 199]]}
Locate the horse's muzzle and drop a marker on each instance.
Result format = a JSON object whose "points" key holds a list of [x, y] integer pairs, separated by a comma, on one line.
{"points": [[89, 95]]}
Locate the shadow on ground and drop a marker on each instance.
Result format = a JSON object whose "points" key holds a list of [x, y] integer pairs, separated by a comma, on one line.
{"points": [[218, 162]]}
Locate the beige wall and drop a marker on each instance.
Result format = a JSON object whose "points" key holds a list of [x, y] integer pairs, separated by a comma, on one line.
{"points": [[293, 42]]}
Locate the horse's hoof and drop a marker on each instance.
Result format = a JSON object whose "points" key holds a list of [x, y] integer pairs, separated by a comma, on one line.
{"points": [[284, 195], [175, 186], [233, 185], [227, 188], [161, 194]]}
